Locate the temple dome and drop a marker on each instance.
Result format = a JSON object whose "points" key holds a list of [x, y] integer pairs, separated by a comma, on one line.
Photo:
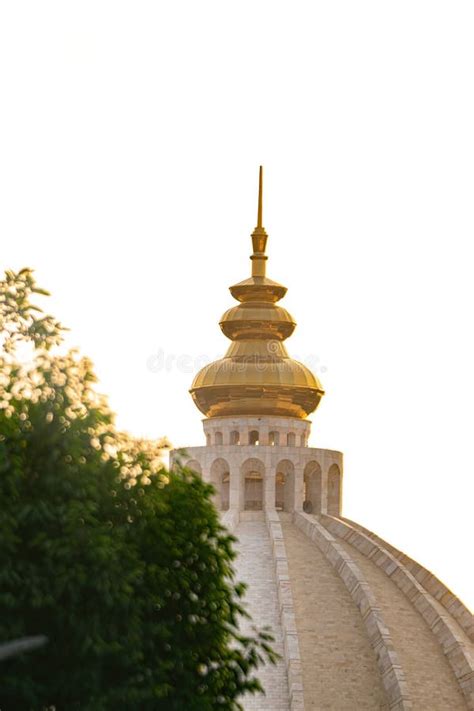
{"points": [[257, 376]]}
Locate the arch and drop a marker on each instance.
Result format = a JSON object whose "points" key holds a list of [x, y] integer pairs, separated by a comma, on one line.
{"points": [[208, 439], [219, 479], [195, 466], [274, 438], [285, 485], [334, 490], [254, 437], [303, 440], [252, 473], [235, 437], [312, 488], [290, 439], [218, 439]]}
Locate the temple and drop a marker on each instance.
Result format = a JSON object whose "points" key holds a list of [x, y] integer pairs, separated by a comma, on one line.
{"points": [[358, 624], [257, 396]]}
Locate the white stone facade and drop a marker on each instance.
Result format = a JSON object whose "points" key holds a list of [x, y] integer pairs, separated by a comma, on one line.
{"points": [[264, 463]]}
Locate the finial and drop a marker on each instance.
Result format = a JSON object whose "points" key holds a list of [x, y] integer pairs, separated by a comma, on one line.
{"points": [[260, 194], [259, 235]]}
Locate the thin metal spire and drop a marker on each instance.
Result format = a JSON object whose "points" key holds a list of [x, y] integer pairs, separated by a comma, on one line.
{"points": [[260, 197], [259, 235]]}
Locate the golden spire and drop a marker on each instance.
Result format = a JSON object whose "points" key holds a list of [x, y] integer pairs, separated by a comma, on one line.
{"points": [[260, 193], [259, 235], [257, 376]]}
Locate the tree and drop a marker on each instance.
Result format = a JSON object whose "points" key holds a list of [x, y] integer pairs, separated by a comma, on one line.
{"points": [[124, 566]]}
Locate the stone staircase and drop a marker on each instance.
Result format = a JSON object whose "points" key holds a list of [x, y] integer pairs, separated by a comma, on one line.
{"points": [[255, 566], [339, 666], [430, 679], [423, 657], [354, 628], [251, 516]]}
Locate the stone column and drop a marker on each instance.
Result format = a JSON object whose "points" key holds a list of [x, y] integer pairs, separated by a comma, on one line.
{"points": [[235, 488], [206, 474], [324, 487], [299, 487], [244, 435], [269, 484]]}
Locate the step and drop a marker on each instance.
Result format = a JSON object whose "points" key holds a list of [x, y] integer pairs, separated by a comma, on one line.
{"points": [[252, 516], [254, 566]]}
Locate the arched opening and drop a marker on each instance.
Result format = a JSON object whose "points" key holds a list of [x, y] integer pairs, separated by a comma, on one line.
{"points": [[285, 486], [274, 438], [195, 466], [312, 488], [218, 438], [303, 440], [235, 437], [253, 492], [219, 479], [253, 483], [280, 491], [208, 439], [334, 490], [290, 439], [254, 437]]}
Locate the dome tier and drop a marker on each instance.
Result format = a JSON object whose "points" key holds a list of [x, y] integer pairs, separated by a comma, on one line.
{"points": [[257, 376], [254, 386], [257, 320], [258, 289]]}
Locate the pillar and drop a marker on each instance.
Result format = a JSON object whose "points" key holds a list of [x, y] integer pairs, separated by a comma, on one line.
{"points": [[269, 482], [299, 487], [235, 489]]}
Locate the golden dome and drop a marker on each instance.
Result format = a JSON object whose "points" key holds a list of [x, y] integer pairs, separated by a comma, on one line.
{"points": [[257, 376]]}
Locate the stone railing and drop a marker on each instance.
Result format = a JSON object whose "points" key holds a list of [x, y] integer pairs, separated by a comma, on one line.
{"points": [[391, 671], [451, 640], [287, 613], [230, 519], [429, 581]]}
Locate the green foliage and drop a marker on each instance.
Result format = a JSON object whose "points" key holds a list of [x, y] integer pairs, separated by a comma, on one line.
{"points": [[122, 565], [20, 320]]}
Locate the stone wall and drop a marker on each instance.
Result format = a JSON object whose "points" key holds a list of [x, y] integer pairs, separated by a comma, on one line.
{"points": [[291, 477]]}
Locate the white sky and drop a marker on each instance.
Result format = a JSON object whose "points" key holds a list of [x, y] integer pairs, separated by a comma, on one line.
{"points": [[130, 138]]}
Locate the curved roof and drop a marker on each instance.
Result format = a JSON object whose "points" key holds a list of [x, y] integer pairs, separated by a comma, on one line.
{"points": [[257, 376]]}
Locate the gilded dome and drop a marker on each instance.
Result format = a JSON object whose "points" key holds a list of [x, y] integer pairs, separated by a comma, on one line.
{"points": [[257, 376]]}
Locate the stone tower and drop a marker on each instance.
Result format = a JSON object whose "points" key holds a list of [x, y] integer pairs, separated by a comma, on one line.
{"points": [[358, 624]]}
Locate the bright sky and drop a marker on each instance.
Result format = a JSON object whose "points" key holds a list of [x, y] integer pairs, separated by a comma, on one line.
{"points": [[130, 139]]}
